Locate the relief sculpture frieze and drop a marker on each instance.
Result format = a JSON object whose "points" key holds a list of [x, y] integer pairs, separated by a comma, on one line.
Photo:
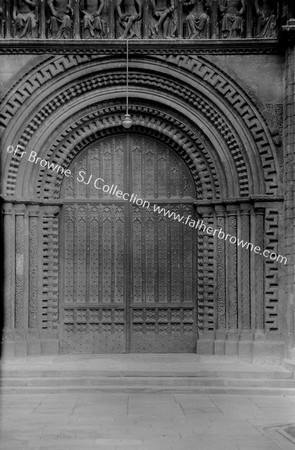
{"points": [[139, 19]]}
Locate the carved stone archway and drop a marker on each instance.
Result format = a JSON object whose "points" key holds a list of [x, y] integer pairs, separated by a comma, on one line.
{"points": [[62, 105]]}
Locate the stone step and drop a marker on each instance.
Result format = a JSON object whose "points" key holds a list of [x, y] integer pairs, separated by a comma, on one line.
{"points": [[224, 374], [143, 373], [72, 381], [228, 390]]}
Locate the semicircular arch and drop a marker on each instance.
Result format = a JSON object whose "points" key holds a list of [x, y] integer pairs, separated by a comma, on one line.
{"points": [[236, 159]]}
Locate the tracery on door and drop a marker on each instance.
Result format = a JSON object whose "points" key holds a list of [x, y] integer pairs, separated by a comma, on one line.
{"points": [[129, 273]]}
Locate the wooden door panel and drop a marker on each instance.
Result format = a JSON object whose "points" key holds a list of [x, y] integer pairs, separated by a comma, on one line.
{"points": [[95, 278], [157, 172], [94, 238], [164, 293], [128, 273]]}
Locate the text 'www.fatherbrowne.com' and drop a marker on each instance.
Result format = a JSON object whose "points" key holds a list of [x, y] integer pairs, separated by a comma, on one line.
{"points": [[99, 184], [198, 225]]}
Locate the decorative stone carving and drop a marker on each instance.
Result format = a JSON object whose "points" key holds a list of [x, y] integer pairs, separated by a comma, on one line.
{"points": [[259, 272], [60, 22], [271, 313], [129, 21], [244, 268], [49, 305], [266, 11], [9, 257], [221, 271], [163, 19], [197, 19], [34, 267], [20, 318], [231, 251], [95, 19], [232, 25], [25, 19], [16, 100]]}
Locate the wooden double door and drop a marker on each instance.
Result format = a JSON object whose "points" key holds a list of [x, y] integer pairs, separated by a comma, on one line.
{"points": [[128, 271]]}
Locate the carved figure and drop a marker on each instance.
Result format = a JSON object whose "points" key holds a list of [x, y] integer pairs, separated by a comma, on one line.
{"points": [[232, 25], [129, 19], [267, 12], [60, 20], [197, 20], [163, 20], [95, 20], [25, 19]]}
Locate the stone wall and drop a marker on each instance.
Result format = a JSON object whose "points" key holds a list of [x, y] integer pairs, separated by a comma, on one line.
{"points": [[221, 105]]}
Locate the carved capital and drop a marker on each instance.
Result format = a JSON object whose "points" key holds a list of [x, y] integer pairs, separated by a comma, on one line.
{"points": [[232, 210], [245, 208], [20, 209], [34, 210], [205, 211], [51, 211], [7, 208], [220, 210], [259, 211]]}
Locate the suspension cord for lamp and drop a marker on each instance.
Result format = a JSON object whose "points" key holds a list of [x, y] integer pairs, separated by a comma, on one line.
{"points": [[127, 121], [127, 76]]}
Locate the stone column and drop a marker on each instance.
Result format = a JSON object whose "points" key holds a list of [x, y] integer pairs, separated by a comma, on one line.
{"points": [[9, 265], [21, 280], [221, 283], [50, 283], [206, 282], [258, 273], [244, 286], [289, 176], [34, 282], [231, 345], [21, 306], [244, 270], [34, 264], [8, 273]]}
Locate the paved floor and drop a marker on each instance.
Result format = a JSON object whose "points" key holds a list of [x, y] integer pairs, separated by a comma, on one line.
{"points": [[145, 421]]}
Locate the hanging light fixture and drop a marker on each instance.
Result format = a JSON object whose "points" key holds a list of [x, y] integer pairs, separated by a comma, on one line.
{"points": [[127, 121]]}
